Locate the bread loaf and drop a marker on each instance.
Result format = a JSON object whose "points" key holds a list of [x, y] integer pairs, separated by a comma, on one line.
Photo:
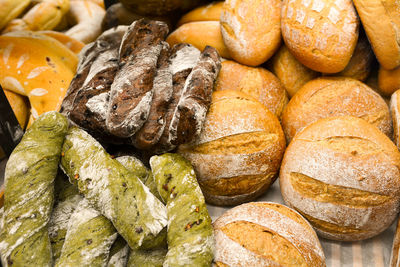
{"points": [[342, 174], [239, 151], [388, 80], [20, 106], [321, 34], [335, 96], [290, 71], [208, 12], [381, 21], [251, 29], [200, 34], [265, 234], [256, 82], [395, 112]]}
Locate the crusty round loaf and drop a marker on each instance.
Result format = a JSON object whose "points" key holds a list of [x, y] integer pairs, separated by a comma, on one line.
{"points": [[257, 82], [342, 174], [388, 80], [265, 234], [204, 13], [251, 29], [290, 71], [395, 112], [381, 21], [200, 34], [360, 64], [239, 151], [335, 96], [321, 34]]}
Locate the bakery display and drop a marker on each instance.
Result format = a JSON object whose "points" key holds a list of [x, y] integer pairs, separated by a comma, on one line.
{"points": [[265, 234], [342, 174], [258, 82], [238, 153], [251, 29], [28, 197], [335, 96], [321, 34], [383, 32]]}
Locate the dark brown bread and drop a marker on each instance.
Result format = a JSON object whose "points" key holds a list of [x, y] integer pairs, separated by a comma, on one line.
{"points": [[153, 128], [132, 90], [195, 100]]}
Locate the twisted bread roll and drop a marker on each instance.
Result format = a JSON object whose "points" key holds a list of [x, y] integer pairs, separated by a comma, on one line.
{"points": [[10, 9]]}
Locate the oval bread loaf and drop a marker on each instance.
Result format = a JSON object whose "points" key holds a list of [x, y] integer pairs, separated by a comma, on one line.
{"points": [[256, 82], [208, 12], [275, 235], [342, 174], [335, 96], [239, 151], [251, 29], [388, 80], [321, 34], [395, 112]]}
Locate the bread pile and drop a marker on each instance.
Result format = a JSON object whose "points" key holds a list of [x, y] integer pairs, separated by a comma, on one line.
{"points": [[132, 86]]}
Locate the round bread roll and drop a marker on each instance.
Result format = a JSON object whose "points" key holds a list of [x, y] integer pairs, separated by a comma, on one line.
{"points": [[265, 234], [342, 174], [20, 106], [335, 96], [360, 64], [388, 80], [290, 71], [321, 34], [239, 151], [381, 21], [200, 34], [256, 82], [251, 29], [395, 112], [204, 13]]}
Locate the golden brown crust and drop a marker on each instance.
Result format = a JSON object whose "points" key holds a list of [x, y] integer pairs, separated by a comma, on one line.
{"points": [[321, 34], [383, 33], [338, 157], [239, 150], [20, 106], [204, 13], [394, 259], [335, 96], [257, 82], [388, 80], [395, 112], [290, 71]]}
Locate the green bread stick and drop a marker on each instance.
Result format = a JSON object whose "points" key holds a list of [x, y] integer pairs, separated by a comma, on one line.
{"points": [[119, 253], [89, 238], [147, 258], [113, 190], [67, 199], [190, 233], [29, 193]]}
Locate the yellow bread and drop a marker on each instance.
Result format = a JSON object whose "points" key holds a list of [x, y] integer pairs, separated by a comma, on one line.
{"points": [[251, 29], [10, 9], [290, 71], [256, 82], [321, 34], [38, 67], [238, 154], [381, 21], [342, 174], [335, 96], [200, 34], [266, 234], [73, 44], [388, 80], [204, 13], [20, 106]]}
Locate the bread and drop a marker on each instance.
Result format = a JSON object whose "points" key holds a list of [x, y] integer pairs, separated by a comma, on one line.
{"points": [[290, 71], [73, 44], [394, 258], [395, 112], [381, 21], [251, 29], [200, 34], [342, 174], [20, 106], [334, 96], [256, 82], [265, 234], [388, 80], [238, 154], [159, 7], [360, 64], [321, 34], [10, 9], [211, 12]]}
